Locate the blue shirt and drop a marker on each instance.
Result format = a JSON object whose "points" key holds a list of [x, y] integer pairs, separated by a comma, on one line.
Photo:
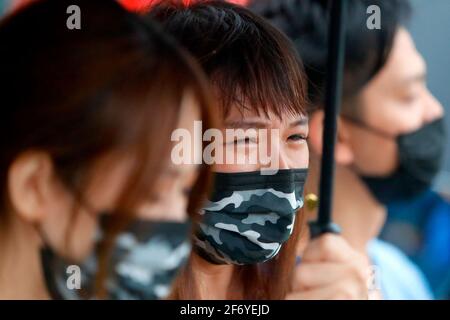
{"points": [[398, 277], [421, 228]]}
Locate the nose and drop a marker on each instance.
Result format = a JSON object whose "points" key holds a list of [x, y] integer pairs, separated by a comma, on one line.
{"points": [[433, 109]]}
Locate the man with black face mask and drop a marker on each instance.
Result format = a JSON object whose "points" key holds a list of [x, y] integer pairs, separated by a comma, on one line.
{"points": [[391, 135]]}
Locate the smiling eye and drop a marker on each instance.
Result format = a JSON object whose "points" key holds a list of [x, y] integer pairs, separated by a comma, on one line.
{"points": [[297, 137]]}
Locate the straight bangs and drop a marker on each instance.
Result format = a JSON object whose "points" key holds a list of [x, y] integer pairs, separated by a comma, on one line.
{"points": [[251, 64]]}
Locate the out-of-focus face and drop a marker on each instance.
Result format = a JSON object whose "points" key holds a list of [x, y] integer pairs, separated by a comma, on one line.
{"points": [[274, 143], [397, 101], [39, 197]]}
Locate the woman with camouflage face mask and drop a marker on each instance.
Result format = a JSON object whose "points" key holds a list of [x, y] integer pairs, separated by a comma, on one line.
{"points": [[246, 237]]}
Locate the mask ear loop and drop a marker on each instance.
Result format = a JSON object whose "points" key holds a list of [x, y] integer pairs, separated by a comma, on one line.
{"points": [[47, 255], [47, 258]]}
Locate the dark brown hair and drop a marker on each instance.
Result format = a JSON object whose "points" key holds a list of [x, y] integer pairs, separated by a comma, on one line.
{"points": [[77, 95], [367, 50], [252, 65]]}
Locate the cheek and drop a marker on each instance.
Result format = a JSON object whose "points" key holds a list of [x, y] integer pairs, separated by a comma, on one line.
{"points": [[374, 155], [73, 224], [394, 115], [405, 118], [234, 168], [82, 235], [298, 156], [294, 156]]}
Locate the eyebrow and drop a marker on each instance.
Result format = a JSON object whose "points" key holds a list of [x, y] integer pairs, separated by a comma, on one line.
{"points": [[300, 122]]}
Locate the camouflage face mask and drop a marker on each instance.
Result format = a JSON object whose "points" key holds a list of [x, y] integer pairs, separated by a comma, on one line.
{"points": [[249, 216], [144, 261]]}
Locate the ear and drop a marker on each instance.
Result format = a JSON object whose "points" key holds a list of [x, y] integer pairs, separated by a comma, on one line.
{"points": [[30, 179], [343, 153]]}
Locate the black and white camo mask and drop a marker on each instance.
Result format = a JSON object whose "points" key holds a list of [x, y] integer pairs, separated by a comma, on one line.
{"points": [[145, 260], [249, 216]]}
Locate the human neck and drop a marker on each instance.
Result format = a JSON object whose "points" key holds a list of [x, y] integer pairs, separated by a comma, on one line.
{"points": [[356, 210], [215, 281], [20, 270]]}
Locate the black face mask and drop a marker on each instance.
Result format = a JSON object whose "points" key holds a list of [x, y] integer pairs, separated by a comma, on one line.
{"points": [[145, 260], [421, 155]]}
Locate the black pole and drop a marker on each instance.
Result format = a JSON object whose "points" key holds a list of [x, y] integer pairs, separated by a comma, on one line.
{"points": [[335, 68]]}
